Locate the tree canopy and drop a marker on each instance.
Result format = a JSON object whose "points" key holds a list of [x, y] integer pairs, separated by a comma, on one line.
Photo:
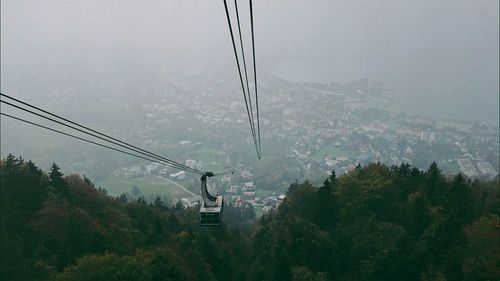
{"points": [[374, 223]]}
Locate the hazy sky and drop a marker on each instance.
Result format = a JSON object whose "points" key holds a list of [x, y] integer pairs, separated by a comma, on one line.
{"points": [[442, 56]]}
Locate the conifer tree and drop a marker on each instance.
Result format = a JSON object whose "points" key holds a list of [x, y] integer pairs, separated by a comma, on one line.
{"points": [[158, 203], [58, 183], [433, 177], [327, 205]]}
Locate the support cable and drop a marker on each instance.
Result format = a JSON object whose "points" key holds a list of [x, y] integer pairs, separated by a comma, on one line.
{"points": [[86, 140], [241, 77], [113, 141], [255, 77], [150, 154], [244, 62]]}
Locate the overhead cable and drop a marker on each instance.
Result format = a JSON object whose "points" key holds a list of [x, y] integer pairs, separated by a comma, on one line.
{"points": [[255, 77], [85, 140], [99, 134], [244, 63], [130, 146], [171, 162], [241, 77]]}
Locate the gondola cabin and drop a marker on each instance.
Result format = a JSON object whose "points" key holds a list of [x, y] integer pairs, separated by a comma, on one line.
{"points": [[212, 206], [212, 216]]}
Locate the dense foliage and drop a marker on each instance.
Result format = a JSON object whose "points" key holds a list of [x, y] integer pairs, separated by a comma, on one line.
{"points": [[383, 223], [374, 223]]}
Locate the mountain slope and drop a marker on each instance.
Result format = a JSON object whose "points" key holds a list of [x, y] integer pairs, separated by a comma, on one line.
{"points": [[374, 223]]}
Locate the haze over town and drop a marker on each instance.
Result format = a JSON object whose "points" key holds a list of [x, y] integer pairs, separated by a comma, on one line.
{"points": [[441, 56], [153, 140], [365, 81]]}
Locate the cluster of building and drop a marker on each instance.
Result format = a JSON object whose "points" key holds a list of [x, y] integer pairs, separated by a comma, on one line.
{"points": [[331, 130], [323, 127]]}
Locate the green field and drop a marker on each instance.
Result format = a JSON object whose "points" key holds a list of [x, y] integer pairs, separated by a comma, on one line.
{"points": [[449, 168], [148, 185], [215, 168], [258, 211], [332, 152], [206, 155], [265, 193]]}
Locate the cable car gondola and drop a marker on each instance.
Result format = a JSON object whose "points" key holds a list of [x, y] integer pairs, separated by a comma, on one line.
{"points": [[212, 206]]}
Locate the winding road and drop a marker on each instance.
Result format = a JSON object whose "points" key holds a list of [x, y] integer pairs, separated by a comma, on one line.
{"points": [[176, 184]]}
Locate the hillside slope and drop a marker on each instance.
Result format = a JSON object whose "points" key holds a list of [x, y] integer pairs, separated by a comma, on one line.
{"points": [[375, 223]]}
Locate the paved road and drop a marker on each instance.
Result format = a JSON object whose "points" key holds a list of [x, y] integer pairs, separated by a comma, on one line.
{"points": [[178, 185]]}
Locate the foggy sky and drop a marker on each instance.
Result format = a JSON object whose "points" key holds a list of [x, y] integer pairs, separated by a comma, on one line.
{"points": [[442, 56]]}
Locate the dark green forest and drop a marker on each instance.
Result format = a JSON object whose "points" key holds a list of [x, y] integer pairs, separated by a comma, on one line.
{"points": [[374, 223]]}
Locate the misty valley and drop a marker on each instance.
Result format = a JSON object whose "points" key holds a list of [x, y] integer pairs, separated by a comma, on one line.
{"points": [[249, 140]]}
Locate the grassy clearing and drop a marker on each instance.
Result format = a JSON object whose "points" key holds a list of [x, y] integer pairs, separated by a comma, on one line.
{"points": [[216, 168], [148, 185], [332, 152], [258, 211], [206, 155], [449, 168]]}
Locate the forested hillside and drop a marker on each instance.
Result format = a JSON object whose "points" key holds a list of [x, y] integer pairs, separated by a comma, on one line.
{"points": [[374, 223], [382, 223]]}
